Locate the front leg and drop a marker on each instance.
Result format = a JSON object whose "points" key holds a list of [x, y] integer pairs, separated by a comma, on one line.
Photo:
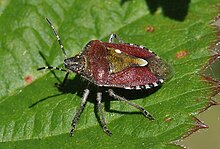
{"points": [[65, 79], [79, 111], [99, 100], [61, 85]]}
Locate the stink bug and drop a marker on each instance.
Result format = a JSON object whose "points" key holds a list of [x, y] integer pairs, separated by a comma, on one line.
{"points": [[112, 65]]}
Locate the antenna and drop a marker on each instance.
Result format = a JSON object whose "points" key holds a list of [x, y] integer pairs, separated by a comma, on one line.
{"points": [[58, 38], [51, 68]]}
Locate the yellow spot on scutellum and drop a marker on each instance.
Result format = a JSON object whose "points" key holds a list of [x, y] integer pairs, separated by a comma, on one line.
{"points": [[119, 60]]}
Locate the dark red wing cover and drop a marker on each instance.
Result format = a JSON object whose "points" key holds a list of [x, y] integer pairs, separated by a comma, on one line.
{"points": [[132, 76], [98, 61]]}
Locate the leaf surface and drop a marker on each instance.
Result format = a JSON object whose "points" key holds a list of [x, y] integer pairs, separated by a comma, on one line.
{"points": [[34, 113]]}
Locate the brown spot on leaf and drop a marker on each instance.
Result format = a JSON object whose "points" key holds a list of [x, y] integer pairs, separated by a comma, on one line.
{"points": [[181, 54], [28, 79], [197, 100], [168, 119], [149, 29]]}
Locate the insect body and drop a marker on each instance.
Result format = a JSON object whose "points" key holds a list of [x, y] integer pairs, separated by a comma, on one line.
{"points": [[114, 65]]}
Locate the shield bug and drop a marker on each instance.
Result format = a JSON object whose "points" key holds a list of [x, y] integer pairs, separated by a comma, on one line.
{"points": [[112, 65]]}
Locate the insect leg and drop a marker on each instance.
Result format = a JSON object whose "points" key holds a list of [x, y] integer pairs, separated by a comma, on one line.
{"points": [[114, 36], [79, 111], [65, 79], [145, 112], [99, 99]]}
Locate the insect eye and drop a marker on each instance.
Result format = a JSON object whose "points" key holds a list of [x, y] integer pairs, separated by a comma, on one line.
{"points": [[67, 62]]}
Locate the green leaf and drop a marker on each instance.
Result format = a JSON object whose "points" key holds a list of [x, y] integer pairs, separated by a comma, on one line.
{"points": [[34, 113]]}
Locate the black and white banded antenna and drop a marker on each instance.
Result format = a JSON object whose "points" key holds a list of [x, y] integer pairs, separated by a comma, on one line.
{"points": [[51, 68], [61, 46], [58, 38]]}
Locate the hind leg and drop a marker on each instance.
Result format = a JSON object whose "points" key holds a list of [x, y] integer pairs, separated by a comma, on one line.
{"points": [[145, 112]]}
